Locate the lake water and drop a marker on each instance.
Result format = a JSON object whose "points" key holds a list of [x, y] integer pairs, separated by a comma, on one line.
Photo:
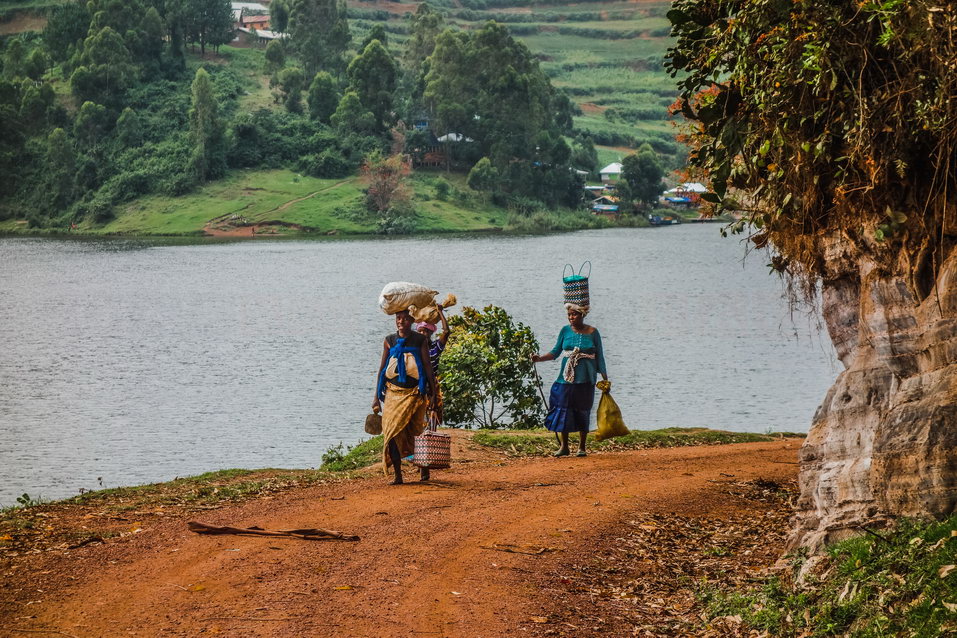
{"points": [[129, 361]]}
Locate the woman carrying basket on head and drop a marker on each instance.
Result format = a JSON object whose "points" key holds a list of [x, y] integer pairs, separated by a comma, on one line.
{"points": [[573, 393], [406, 385]]}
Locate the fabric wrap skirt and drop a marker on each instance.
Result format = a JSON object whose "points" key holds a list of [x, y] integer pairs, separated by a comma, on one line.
{"points": [[569, 407]]}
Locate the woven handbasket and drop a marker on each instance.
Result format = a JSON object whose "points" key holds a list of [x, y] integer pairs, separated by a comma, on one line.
{"points": [[433, 450], [576, 285]]}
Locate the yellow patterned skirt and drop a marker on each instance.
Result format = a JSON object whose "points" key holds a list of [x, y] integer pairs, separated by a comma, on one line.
{"points": [[403, 419]]}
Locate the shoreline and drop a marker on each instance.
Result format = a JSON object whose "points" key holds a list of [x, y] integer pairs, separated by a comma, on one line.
{"points": [[241, 235]]}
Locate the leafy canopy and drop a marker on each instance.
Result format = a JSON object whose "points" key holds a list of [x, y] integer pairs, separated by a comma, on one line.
{"points": [[826, 117], [486, 371]]}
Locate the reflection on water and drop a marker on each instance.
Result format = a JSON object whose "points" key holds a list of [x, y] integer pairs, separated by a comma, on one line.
{"points": [[139, 361]]}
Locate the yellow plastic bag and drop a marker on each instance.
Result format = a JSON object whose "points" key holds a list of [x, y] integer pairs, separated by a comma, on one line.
{"points": [[610, 423]]}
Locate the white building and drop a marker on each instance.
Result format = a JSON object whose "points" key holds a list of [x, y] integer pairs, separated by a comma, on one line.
{"points": [[611, 173]]}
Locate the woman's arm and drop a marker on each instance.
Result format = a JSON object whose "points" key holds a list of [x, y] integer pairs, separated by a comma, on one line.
{"points": [[376, 406], [600, 356], [429, 373], [554, 352], [445, 326]]}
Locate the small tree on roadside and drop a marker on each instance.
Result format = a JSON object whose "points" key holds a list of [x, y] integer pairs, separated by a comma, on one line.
{"points": [[486, 373]]}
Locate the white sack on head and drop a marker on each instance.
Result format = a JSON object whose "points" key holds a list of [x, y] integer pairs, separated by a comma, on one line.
{"points": [[399, 295]]}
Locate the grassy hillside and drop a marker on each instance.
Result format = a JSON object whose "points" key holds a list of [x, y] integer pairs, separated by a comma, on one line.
{"points": [[606, 55], [283, 201]]}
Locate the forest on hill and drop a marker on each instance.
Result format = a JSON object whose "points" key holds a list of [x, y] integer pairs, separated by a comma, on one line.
{"points": [[112, 101]]}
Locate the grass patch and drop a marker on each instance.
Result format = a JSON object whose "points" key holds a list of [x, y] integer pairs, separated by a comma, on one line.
{"points": [[353, 457], [203, 489], [901, 584], [538, 442]]}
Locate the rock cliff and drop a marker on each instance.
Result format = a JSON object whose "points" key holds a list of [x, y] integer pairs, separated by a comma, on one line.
{"points": [[883, 443]]}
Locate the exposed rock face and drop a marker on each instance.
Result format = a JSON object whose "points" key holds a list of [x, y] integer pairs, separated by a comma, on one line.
{"points": [[883, 443]]}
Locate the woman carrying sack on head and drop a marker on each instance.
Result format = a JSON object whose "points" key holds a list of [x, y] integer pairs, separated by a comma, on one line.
{"points": [[406, 386], [573, 393]]}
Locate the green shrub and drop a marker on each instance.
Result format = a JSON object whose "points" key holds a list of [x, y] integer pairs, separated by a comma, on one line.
{"points": [[486, 373], [343, 458], [328, 164]]}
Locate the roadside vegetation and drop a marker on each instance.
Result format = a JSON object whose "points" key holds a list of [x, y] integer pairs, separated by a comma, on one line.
{"points": [[541, 442], [898, 582]]}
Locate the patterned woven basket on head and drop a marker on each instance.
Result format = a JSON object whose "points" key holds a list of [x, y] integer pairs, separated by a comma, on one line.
{"points": [[576, 286]]}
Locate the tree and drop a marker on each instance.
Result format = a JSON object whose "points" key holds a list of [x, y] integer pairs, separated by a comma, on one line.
{"points": [[107, 69], [206, 131], [60, 167], [483, 176], [642, 171], [279, 16], [486, 86], [388, 194], [129, 129], [320, 33], [377, 32], [91, 124], [425, 28], [66, 27], [14, 60], [323, 98], [275, 58], [352, 116], [209, 22], [290, 85], [372, 76], [36, 64], [852, 192], [487, 371], [35, 103], [149, 46], [386, 182]]}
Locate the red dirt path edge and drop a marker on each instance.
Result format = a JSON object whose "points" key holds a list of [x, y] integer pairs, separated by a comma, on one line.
{"points": [[425, 564]]}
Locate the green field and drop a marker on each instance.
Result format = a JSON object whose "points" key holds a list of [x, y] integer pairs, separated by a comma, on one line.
{"points": [[319, 206]]}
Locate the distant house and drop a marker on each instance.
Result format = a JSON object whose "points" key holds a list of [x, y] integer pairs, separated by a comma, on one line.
{"points": [[257, 22], [606, 206], [595, 190], [687, 195], [251, 8], [611, 173], [454, 137], [261, 34]]}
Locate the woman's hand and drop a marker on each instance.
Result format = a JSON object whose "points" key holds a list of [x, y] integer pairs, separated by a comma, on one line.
{"points": [[376, 406], [536, 358]]}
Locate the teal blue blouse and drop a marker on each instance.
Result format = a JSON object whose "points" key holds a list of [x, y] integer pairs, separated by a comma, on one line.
{"points": [[587, 369]]}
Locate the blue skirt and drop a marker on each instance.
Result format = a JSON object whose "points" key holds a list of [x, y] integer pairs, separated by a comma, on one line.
{"points": [[569, 407]]}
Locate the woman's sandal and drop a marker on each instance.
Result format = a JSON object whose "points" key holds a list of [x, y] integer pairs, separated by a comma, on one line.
{"points": [[581, 453], [561, 453]]}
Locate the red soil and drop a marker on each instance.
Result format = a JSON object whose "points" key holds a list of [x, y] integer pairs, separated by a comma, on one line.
{"points": [[424, 565]]}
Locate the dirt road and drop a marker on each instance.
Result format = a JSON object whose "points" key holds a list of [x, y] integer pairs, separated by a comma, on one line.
{"points": [[424, 566]]}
